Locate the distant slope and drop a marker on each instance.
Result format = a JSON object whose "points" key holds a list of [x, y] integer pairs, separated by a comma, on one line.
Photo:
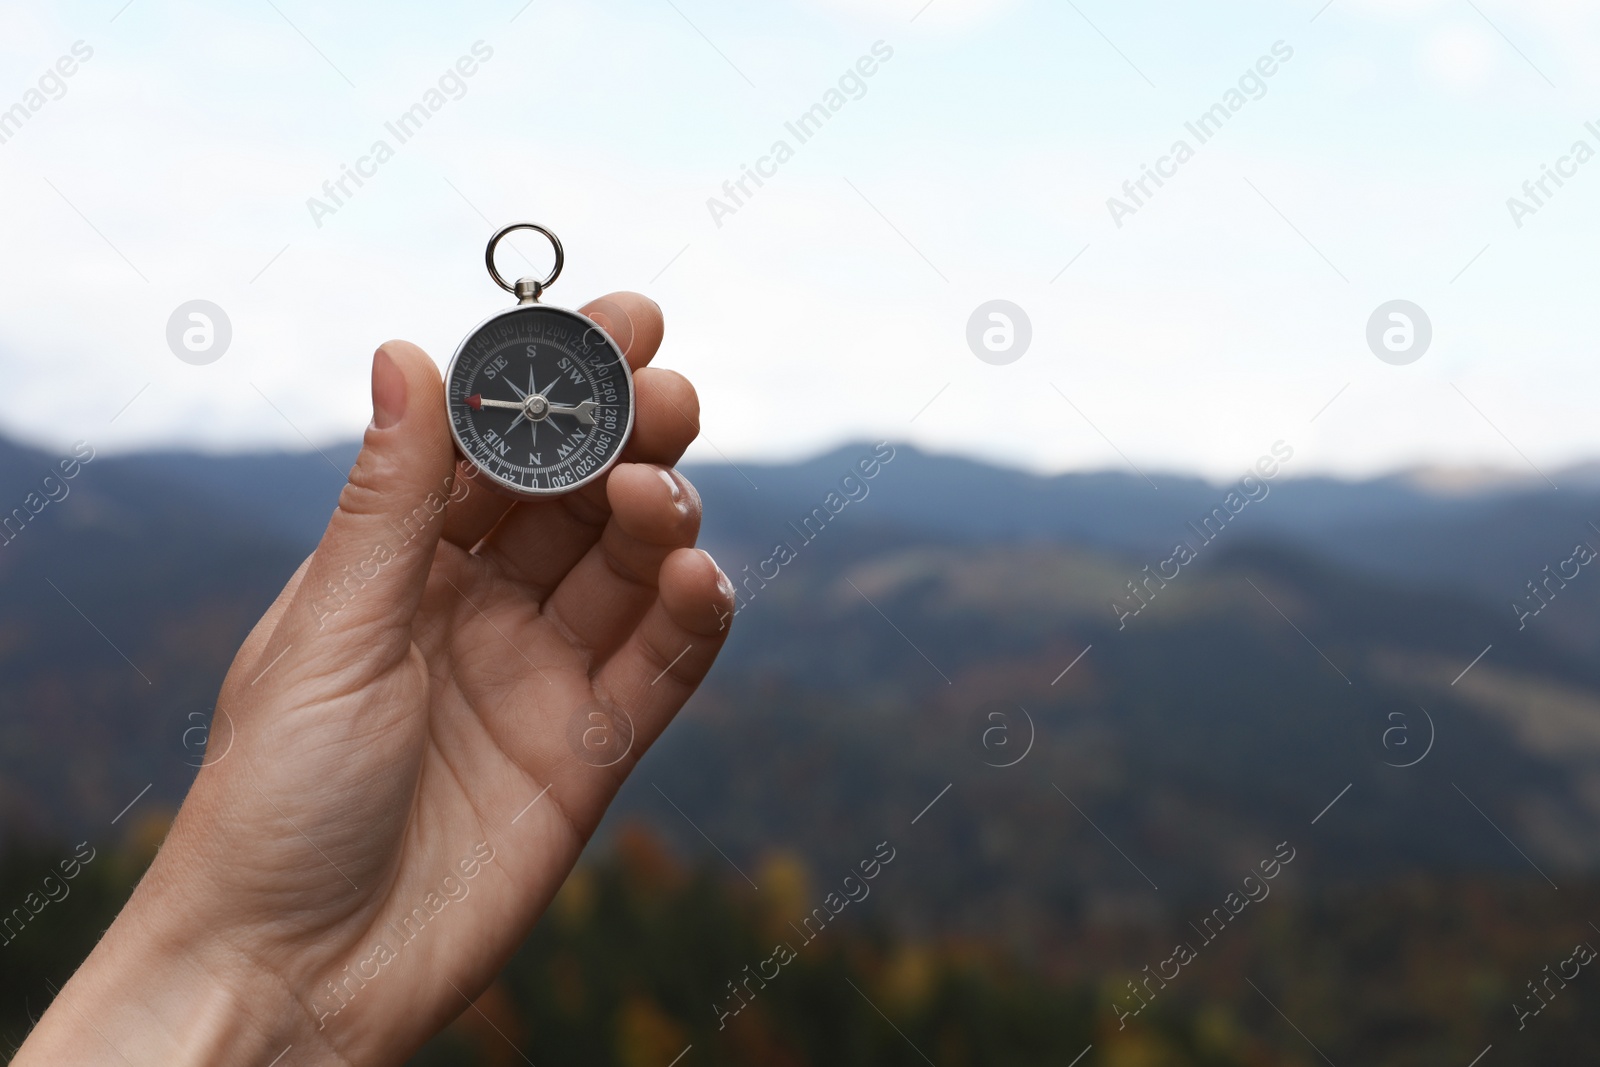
{"points": [[1208, 729], [121, 605], [1251, 691], [1488, 543]]}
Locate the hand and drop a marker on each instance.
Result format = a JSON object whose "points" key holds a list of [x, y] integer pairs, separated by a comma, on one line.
{"points": [[407, 785]]}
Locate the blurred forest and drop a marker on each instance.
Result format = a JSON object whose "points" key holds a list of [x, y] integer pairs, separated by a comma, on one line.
{"points": [[633, 962]]}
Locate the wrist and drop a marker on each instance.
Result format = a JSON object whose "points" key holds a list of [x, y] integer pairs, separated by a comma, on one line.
{"points": [[159, 989]]}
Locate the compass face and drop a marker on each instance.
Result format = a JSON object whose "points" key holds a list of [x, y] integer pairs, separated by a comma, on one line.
{"points": [[541, 400]]}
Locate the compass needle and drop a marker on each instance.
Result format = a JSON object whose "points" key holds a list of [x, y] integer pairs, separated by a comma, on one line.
{"points": [[583, 412]]}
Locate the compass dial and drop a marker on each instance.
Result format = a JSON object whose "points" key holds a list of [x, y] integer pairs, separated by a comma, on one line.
{"points": [[541, 400]]}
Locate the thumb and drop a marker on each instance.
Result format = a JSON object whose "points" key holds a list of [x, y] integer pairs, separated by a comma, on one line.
{"points": [[368, 573]]}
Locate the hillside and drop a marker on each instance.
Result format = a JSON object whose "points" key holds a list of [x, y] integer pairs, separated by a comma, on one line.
{"points": [[1292, 657]]}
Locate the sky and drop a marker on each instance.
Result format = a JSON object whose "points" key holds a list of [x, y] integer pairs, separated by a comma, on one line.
{"points": [[1188, 329]]}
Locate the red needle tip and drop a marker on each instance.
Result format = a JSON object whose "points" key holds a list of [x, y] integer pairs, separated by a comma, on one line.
{"points": [[475, 402]]}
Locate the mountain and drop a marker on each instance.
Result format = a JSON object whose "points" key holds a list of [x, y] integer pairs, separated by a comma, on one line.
{"points": [[1490, 533], [916, 635]]}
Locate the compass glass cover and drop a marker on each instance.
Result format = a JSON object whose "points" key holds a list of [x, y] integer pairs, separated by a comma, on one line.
{"points": [[540, 399]]}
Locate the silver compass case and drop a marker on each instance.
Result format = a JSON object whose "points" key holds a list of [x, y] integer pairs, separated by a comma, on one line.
{"points": [[540, 398]]}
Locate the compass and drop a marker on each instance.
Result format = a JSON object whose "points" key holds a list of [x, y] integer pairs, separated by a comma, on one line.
{"points": [[540, 398]]}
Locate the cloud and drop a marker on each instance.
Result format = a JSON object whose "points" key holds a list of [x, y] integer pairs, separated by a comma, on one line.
{"points": [[1461, 56], [928, 14]]}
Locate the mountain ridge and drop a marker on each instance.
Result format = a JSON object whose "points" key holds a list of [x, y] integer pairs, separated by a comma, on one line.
{"points": [[1243, 695]]}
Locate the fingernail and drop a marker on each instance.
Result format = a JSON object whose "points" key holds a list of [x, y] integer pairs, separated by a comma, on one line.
{"points": [[723, 583], [674, 488], [388, 391]]}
